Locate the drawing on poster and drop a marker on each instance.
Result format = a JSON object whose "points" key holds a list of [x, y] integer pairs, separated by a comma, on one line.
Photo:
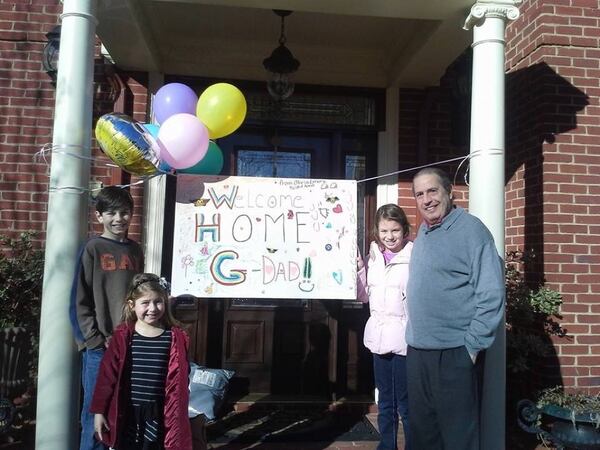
{"points": [[264, 238]]}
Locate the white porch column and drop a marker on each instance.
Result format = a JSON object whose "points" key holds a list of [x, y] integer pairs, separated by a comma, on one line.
{"points": [[58, 373], [154, 201], [486, 179], [387, 149]]}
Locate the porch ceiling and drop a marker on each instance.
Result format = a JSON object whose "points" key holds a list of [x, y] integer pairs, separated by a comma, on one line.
{"points": [[370, 43]]}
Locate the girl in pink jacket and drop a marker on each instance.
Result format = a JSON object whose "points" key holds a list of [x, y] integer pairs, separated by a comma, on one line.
{"points": [[141, 396], [382, 283]]}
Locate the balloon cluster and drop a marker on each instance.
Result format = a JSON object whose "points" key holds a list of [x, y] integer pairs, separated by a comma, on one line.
{"points": [[181, 139]]}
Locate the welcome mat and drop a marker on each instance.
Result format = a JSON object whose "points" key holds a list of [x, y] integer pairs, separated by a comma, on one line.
{"points": [[290, 425]]}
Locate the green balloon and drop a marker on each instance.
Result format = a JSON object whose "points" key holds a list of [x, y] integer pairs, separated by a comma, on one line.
{"points": [[211, 164]]}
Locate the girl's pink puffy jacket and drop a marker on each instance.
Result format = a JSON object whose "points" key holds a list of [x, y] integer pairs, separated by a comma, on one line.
{"points": [[384, 288]]}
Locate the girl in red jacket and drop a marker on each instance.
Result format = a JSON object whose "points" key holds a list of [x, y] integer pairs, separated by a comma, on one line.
{"points": [[141, 396]]}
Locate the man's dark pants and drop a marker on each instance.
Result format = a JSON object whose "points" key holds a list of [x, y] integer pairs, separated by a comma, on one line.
{"points": [[444, 397]]}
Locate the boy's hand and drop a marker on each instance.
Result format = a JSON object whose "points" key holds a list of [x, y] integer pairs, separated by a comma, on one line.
{"points": [[100, 424]]}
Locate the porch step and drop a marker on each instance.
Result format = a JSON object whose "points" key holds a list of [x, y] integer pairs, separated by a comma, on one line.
{"points": [[351, 404]]}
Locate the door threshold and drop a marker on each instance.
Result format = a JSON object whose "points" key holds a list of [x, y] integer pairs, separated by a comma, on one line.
{"points": [[282, 401]]}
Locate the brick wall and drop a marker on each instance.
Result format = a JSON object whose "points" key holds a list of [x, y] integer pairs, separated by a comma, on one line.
{"points": [[25, 113], [553, 63], [26, 116], [425, 138]]}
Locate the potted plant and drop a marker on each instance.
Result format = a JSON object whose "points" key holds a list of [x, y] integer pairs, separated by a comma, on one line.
{"points": [[565, 419]]}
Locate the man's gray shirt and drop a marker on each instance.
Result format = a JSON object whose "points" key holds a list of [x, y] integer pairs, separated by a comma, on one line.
{"points": [[456, 286]]}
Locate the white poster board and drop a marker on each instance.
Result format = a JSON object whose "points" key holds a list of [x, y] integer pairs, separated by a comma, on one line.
{"points": [[264, 238]]}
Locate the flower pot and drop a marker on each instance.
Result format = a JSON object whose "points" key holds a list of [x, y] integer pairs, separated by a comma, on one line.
{"points": [[561, 426], [14, 355]]}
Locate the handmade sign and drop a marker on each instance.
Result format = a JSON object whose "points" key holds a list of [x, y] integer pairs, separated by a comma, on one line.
{"points": [[264, 238]]}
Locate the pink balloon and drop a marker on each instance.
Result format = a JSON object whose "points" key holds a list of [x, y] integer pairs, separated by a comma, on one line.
{"points": [[183, 140]]}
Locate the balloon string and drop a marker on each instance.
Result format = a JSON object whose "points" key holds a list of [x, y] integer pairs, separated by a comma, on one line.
{"points": [[71, 189], [462, 159], [47, 148], [414, 168], [80, 190]]}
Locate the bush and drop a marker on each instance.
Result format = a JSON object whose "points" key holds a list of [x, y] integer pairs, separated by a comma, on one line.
{"points": [[531, 317]]}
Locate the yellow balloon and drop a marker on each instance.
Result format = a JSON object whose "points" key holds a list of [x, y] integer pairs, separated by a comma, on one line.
{"points": [[222, 108]]}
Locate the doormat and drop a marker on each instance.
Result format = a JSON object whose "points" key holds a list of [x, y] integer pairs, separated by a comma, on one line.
{"points": [[290, 425]]}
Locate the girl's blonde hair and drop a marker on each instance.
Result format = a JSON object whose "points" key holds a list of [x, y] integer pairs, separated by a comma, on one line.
{"points": [[142, 284]]}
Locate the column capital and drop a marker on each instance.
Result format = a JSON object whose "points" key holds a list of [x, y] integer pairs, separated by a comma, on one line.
{"points": [[503, 9]]}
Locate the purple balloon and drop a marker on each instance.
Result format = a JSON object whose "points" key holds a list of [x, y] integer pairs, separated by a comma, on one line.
{"points": [[174, 98]]}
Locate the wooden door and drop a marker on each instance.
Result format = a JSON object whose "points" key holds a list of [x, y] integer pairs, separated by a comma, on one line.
{"points": [[290, 346]]}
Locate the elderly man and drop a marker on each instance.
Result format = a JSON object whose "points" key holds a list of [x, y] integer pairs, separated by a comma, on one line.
{"points": [[455, 299]]}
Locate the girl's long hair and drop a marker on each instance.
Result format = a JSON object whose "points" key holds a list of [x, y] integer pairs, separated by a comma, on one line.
{"points": [[142, 284]]}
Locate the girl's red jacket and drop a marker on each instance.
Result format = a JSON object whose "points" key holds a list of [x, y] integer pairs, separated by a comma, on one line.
{"points": [[111, 395]]}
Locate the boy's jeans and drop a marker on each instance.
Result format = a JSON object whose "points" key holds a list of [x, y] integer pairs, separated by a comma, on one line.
{"points": [[89, 372]]}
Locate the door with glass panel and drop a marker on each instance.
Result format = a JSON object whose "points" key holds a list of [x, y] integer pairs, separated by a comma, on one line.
{"points": [[289, 346]]}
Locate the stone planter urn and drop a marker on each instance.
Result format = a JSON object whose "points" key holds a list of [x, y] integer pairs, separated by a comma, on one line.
{"points": [[14, 354], [560, 426]]}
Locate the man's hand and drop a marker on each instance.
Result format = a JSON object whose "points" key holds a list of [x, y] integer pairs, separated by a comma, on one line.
{"points": [[473, 357], [100, 424]]}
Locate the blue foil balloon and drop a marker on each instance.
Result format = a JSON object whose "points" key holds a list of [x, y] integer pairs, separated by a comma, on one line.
{"points": [[127, 143]]}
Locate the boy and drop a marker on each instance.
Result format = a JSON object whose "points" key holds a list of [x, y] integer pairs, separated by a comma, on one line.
{"points": [[107, 264]]}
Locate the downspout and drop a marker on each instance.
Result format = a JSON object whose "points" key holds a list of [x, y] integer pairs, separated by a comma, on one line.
{"points": [[58, 372]]}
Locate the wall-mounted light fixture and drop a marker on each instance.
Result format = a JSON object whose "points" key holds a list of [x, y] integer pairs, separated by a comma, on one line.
{"points": [[281, 65], [50, 54]]}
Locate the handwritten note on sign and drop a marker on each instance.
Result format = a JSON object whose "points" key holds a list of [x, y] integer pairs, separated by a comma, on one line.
{"points": [[264, 238]]}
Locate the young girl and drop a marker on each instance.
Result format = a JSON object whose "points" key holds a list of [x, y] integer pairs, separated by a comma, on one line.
{"points": [[383, 284], [141, 396]]}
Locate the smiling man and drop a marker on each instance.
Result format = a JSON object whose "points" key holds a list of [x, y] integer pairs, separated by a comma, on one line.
{"points": [[455, 299]]}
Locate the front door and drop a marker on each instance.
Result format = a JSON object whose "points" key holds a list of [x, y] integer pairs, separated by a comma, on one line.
{"points": [[285, 346]]}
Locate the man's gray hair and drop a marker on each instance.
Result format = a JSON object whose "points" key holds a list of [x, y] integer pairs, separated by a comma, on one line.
{"points": [[441, 174]]}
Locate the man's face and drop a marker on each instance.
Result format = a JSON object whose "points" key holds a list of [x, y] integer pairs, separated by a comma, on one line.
{"points": [[433, 201]]}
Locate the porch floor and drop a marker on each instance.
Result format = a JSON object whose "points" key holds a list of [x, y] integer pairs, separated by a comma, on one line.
{"points": [[246, 416]]}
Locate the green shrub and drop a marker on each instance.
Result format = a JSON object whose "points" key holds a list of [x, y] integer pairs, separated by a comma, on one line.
{"points": [[531, 317]]}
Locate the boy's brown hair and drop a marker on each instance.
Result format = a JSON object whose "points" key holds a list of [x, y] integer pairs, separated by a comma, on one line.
{"points": [[113, 198]]}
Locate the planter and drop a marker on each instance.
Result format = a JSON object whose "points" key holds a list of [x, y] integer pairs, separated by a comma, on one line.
{"points": [[15, 346], [560, 426]]}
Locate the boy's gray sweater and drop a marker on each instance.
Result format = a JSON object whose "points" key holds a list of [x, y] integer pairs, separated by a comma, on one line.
{"points": [[456, 287]]}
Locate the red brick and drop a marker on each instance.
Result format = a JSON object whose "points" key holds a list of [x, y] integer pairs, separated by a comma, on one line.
{"points": [[588, 381], [588, 360], [573, 289], [576, 329], [575, 371], [574, 349]]}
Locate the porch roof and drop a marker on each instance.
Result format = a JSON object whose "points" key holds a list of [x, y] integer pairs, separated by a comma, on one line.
{"points": [[370, 43]]}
